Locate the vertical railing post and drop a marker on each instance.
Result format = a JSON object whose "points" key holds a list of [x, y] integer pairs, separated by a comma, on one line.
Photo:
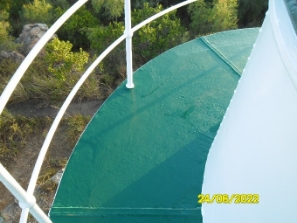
{"points": [[129, 34]]}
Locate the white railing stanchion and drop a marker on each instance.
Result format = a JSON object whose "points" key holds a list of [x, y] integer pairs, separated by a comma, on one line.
{"points": [[26, 201], [129, 34]]}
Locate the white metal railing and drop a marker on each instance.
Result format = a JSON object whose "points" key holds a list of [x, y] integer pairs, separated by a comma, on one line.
{"points": [[26, 199]]}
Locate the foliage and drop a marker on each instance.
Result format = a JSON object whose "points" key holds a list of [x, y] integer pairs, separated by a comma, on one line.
{"points": [[14, 132], [252, 12], [224, 15], [100, 38], [213, 16], [63, 4], [38, 11], [200, 12], [76, 125], [4, 26], [61, 60], [5, 4], [159, 35], [38, 84], [6, 41], [75, 29], [103, 36], [138, 4], [110, 8]]}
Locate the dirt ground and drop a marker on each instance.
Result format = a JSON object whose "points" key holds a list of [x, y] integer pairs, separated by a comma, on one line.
{"points": [[22, 165]]}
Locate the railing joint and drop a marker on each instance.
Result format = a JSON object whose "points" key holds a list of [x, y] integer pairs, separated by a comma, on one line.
{"points": [[29, 202]]}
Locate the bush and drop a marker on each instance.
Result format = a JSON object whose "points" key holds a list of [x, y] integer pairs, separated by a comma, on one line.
{"points": [[109, 8], [215, 16], [252, 12], [224, 15], [38, 11], [15, 131], [76, 27], [62, 61], [101, 37], [6, 41], [159, 35]]}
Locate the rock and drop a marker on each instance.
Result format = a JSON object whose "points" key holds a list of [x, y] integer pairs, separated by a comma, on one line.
{"points": [[11, 213], [14, 56], [57, 177], [30, 35]]}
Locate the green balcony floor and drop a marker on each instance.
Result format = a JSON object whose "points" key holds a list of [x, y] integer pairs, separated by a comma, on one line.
{"points": [[142, 156]]}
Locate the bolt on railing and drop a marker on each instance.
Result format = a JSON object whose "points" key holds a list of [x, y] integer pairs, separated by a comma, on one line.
{"points": [[26, 199]]}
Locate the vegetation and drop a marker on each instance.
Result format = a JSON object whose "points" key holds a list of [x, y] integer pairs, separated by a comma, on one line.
{"points": [[81, 39], [213, 16], [100, 22], [86, 34], [61, 61], [17, 131], [37, 11]]}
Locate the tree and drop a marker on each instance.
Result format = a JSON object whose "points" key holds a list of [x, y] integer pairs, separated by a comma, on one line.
{"points": [[111, 8], [6, 41], [102, 36], [213, 16], [252, 12], [5, 4], [224, 15], [200, 13], [76, 27], [4, 26], [38, 11], [159, 35]]}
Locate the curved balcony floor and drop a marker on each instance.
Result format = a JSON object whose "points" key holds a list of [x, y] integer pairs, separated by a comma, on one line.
{"points": [[142, 156]]}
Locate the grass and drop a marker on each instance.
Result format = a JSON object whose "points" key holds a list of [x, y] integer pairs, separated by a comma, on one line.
{"points": [[38, 83], [17, 131], [14, 132], [76, 125]]}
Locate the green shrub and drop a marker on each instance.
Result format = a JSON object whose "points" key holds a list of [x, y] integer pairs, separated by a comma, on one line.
{"points": [[5, 4], [6, 40], [215, 16], [38, 11], [109, 8], [76, 27], [76, 126], [61, 60], [14, 132], [159, 35], [101, 37], [252, 12]]}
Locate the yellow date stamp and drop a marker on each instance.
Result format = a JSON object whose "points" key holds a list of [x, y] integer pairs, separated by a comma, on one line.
{"points": [[229, 199]]}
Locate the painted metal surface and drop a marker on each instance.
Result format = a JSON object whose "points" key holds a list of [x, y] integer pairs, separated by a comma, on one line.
{"points": [[129, 35], [142, 156], [255, 151], [28, 60]]}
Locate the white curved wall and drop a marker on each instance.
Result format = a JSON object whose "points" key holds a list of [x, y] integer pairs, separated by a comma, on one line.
{"points": [[255, 151]]}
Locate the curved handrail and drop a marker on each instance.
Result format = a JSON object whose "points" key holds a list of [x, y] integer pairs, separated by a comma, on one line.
{"points": [[74, 91], [25, 201], [61, 112], [28, 60]]}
